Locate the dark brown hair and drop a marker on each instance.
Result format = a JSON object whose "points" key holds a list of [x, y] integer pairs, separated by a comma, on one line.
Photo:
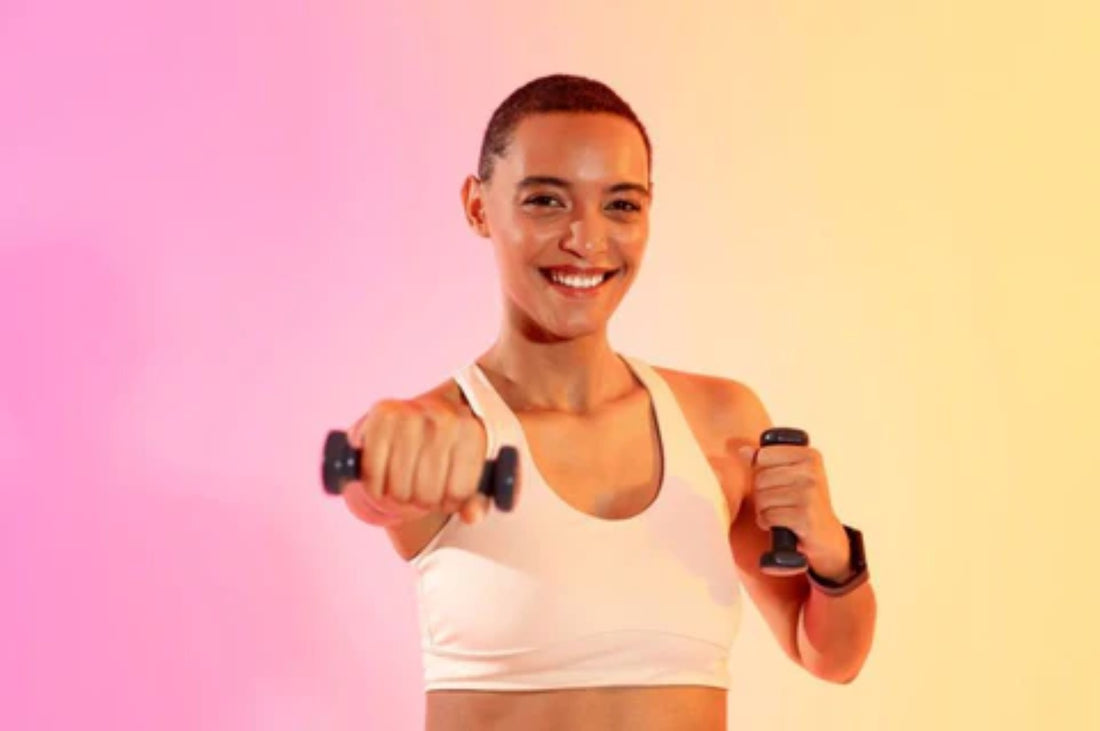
{"points": [[554, 93]]}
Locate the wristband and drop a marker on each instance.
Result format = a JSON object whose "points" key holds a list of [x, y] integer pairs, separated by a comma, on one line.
{"points": [[857, 563]]}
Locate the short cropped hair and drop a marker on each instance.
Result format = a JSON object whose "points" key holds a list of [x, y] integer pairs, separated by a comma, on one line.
{"points": [[554, 93]]}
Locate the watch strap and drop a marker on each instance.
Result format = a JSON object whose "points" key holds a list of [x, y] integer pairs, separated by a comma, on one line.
{"points": [[857, 562]]}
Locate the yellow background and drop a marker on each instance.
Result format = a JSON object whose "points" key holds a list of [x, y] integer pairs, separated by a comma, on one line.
{"points": [[883, 216]]}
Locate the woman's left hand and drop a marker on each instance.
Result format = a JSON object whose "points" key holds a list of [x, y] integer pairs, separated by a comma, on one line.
{"points": [[790, 490]]}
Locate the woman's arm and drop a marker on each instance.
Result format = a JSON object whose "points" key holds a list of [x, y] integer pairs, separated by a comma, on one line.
{"points": [[830, 636]]}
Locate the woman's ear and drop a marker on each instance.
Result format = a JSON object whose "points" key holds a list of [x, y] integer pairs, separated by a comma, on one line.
{"points": [[473, 204]]}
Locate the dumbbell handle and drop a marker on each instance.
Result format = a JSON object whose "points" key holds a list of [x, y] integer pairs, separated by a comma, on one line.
{"points": [[784, 558], [341, 463]]}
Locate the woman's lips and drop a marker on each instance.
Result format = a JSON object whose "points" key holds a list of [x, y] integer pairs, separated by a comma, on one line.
{"points": [[574, 292], [584, 271]]}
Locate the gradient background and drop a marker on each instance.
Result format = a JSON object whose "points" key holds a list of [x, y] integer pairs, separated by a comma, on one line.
{"points": [[226, 227]]}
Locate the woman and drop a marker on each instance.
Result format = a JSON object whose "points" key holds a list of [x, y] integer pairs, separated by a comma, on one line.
{"points": [[609, 596]]}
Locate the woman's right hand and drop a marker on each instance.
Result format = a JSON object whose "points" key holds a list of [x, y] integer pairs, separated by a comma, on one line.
{"points": [[420, 456]]}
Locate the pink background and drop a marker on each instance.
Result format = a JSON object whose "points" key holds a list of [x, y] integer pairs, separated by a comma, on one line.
{"points": [[227, 227]]}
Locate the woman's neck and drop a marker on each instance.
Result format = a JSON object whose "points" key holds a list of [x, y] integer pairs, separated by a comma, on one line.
{"points": [[573, 376]]}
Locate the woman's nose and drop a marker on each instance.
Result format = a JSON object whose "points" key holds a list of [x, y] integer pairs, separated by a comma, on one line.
{"points": [[587, 236]]}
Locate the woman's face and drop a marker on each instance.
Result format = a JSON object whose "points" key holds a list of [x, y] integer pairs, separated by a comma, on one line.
{"points": [[567, 210]]}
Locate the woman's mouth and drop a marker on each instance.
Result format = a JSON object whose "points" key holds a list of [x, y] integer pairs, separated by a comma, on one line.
{"points": [[577, 283]]}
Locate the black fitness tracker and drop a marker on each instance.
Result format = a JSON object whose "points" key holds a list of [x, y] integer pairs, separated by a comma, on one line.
{"points": [[857, 563]]}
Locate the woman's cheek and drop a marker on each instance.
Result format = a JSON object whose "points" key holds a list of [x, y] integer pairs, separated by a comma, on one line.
{"points": [[631, 242], [634, 234], [549, 232]]}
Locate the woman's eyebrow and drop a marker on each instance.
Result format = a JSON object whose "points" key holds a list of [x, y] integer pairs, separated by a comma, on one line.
{"points": [[626, 187], [531, 180]]}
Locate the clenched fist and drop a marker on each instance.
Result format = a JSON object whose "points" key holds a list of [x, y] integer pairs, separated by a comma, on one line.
{"points": [[418, 456]]}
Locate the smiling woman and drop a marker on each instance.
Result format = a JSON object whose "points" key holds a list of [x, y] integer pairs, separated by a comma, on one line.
{"points": [[609, 596], [566, 205]]}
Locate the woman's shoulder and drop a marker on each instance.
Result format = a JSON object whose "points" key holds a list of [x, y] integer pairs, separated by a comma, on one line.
{"points": [[720, 390], [723, 407]]}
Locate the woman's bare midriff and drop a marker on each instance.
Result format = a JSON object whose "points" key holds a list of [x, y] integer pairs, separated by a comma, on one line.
{"points": [[664, 708]]}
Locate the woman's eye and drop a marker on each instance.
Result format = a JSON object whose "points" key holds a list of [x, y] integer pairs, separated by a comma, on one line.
{"points": [[542, 200], [625, 205]]}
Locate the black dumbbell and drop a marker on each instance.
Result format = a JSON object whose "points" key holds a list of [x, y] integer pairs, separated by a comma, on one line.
{"points": [[341, 463], [784, 559]]}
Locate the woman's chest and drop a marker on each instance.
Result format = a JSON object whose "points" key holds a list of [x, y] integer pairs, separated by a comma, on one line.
{"points": [[613, 464], [608, 465]]}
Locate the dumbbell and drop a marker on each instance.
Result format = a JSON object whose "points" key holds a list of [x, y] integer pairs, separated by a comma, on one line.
{"points": [[784, 559], [340, 463]]}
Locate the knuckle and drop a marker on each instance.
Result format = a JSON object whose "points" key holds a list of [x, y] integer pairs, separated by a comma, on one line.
{"points": [[449, 505], [457, 487], [442, 427], [440, 416], [371, 475], [428, 488], [451, 489], [410, 421], [423, 501], [386, 409], [374, 479], [429, 424], [395, 483]]}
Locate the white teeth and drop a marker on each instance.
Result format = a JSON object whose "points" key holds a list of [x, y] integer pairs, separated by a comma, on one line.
{"points": [[574, 280]]}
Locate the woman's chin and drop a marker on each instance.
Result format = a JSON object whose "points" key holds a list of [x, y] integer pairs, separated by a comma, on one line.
{"points": [[576, 328], [552, 325], [543, 331]]}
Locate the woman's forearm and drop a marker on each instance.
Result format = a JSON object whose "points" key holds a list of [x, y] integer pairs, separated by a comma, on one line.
{"points": [[835, 632]]}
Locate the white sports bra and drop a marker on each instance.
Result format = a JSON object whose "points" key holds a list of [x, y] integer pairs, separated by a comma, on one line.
{"points": [[547, 596]]}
